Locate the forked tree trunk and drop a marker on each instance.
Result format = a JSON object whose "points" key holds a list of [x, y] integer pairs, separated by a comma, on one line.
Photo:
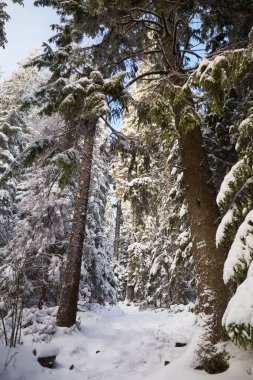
{"points": [[66, 316]]}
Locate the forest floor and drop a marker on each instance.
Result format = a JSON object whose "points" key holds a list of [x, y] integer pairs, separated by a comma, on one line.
{"points": [[122, 343]]}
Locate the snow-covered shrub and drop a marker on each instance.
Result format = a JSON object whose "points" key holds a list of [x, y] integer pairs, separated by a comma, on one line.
{"points": [[39, 323]]}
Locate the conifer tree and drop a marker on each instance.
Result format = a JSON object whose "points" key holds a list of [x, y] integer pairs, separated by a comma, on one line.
{"points": [[43, 203], [97, 276], [82, 100], [14, 132], [235, 229]]}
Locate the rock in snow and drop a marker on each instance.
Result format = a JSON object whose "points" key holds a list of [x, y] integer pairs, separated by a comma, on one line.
{"points": [[46, 354]]}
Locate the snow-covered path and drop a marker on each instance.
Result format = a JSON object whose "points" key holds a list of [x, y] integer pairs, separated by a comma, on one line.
{"points": [[121, 343], [131, 344], [115, 342]]}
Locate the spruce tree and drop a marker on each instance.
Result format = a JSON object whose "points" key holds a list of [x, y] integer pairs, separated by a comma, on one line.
{"points": [[81, 100], [235, 229]]}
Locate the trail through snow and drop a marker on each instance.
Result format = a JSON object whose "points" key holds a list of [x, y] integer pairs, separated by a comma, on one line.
{"points": [[118, 343]]}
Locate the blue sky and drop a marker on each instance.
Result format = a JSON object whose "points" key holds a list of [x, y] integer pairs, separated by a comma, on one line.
{"points": [[28, 28]]}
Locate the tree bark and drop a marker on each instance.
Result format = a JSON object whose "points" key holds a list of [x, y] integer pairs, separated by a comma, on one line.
{"points": [[66, 316], [204, 217], [130, 293]]}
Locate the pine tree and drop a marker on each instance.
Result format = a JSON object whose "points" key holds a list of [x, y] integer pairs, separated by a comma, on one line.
{"points": [[14, 132], [81, 100], [235, 230], [44, 207], [97, 277]]}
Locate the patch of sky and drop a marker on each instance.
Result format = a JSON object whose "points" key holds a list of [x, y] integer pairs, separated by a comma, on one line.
{"points": [[27, 29]]}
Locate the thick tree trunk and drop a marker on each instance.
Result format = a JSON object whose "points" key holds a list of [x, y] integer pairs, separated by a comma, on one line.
{"points": [[66, 316], [204, 217]]}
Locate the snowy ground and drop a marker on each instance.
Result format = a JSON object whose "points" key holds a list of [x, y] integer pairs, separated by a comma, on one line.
{"points": [[122, 343]]}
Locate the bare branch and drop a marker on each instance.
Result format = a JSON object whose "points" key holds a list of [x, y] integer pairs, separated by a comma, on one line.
{"points": [[192, 52], [163, 52], [143, 21], [133, 55], [158, 72], [150, 27], [121, 136]]}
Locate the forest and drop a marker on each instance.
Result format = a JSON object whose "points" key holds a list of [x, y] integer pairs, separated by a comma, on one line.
{"points": [[126, 193]]}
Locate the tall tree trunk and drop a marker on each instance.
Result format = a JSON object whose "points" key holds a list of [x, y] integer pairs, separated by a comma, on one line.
{"points": [[66, 316], [204, 217], [131, 259], [117, 230]]}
